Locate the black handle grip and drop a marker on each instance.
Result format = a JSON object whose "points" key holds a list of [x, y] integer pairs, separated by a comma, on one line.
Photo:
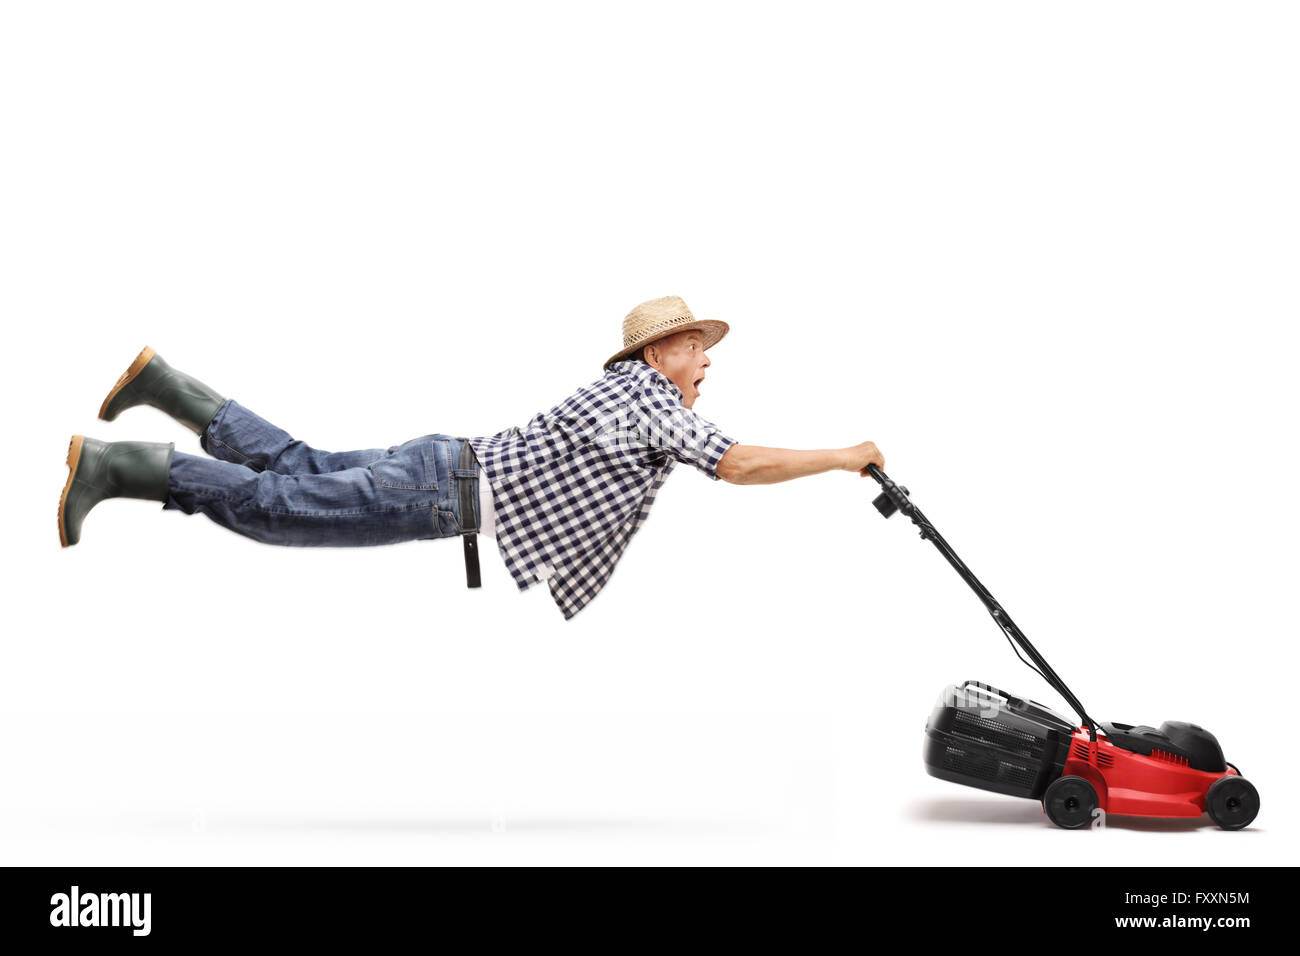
{"points": [[894, 496]]}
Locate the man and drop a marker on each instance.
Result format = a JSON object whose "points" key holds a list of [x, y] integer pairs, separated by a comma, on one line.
{"points": [[563, 495]]}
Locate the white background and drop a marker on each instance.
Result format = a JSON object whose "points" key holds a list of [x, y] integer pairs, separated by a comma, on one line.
{"points": [[1044, 255]]}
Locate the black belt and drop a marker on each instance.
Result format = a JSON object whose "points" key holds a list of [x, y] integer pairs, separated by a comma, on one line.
{"points": [[467, 487]]}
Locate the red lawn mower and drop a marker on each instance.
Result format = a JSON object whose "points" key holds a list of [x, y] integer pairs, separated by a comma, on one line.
{"points": [[982, 737]]}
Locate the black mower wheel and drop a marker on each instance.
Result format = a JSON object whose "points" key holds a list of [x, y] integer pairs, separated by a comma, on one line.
{"points": [[1070, 802], [1232, 802]]}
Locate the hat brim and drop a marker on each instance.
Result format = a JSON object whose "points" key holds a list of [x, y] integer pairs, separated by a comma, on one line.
{"points": [[713, 329]]}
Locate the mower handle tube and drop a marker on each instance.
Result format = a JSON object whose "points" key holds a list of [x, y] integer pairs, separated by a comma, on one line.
{"points": [[895, 498]]}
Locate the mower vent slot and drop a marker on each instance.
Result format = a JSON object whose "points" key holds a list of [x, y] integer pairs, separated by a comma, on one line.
{"points": [[999, 735], [1167, 757], [986, 767]]}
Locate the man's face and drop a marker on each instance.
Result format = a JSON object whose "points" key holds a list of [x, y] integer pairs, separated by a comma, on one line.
{"points": [[681, 358]]}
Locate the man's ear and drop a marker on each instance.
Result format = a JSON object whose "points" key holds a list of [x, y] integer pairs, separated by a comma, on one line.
{"points": [[653, 357]]}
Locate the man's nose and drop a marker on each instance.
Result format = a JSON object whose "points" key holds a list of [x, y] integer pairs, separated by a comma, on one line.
{"points": [[707, 361]]}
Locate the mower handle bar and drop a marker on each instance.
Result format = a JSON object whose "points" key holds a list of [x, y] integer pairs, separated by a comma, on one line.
{"points": [[895, 497]]}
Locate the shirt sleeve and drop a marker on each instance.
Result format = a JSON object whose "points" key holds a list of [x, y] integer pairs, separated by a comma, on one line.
{"points": [[665, 424]]}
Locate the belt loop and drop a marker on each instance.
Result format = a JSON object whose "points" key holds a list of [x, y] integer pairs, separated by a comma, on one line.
{"points": [[467, 489]]}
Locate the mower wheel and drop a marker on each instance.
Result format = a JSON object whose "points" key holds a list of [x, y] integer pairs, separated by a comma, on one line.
{"points": [[1070, 802], [1232, 802]]}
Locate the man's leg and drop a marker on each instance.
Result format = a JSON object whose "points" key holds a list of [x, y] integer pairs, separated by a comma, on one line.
{"points": [[394, 499], [238, 435], [226, 429]]}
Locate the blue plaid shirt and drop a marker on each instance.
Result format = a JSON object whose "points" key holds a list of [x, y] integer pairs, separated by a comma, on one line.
{"points": [[573, 485]]}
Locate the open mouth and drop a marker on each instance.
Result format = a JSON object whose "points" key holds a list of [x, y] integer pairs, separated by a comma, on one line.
{"points": [[697, 383]]}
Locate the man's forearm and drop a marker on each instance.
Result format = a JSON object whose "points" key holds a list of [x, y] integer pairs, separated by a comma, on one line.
{"points": [[756, 465]]}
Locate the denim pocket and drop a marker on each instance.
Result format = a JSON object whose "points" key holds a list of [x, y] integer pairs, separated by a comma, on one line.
{"points": [[409, 467]]}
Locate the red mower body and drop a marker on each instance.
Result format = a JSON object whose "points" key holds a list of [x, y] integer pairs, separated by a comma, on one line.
{"points": [[1176, 771], [1160, 784]]}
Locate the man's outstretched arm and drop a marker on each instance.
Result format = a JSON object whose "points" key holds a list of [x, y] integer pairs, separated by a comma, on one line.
{"points": [[756, 465]]}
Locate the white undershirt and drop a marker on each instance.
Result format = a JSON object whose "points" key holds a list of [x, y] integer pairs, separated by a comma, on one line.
{"points": [[487, 514]]}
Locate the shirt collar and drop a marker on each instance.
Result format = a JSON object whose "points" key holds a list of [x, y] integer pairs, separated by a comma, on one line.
{"points": [[646, 373]]}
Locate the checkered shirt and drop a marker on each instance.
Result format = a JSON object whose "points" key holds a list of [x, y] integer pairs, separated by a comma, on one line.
{"points": [[573, 486]]}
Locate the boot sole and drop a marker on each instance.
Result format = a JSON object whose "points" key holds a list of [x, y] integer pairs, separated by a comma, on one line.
{"points": [[146, 355], [74, 458]]}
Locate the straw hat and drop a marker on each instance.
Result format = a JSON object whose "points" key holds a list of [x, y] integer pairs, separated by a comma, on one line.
{"points": [[653, 320]]}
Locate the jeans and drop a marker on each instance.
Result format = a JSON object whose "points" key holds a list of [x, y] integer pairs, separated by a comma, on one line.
{"points": [[277, 490]]}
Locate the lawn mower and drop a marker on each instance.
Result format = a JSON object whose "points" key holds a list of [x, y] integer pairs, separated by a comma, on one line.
{"points": [[983, 737]]}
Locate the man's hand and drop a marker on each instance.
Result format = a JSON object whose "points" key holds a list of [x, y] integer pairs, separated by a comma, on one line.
{"points": [[859, 456]]}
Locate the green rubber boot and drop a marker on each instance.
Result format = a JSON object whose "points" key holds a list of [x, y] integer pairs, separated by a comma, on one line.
{"points": [[99, 470], [151, 381]]}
